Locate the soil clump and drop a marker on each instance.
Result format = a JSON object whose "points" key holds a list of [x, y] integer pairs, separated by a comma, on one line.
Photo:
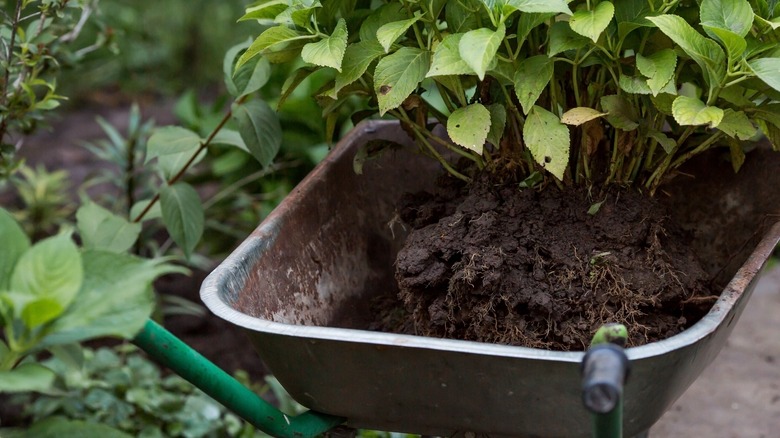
{"points": [[493, 263]]}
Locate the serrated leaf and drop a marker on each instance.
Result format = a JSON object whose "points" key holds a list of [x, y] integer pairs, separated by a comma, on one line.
{"points": [[469, 126], [182, 214], [768, 70], [737, 154], [49, 269], [357, 58], [532, 76], [328, 52], [732, 15], [563, 39], [737, 125], [620, 113], [278, 44], [735, 45], [260, 129], [292, 82], [116, 298], [528, 21], [478, 48], [634, 85], [447, 60], [101, 229], [548, 140], [26, 378], [15, 243], [691, 111], [497, 123], [398, 75], [663, 102], [388, 33], [387, 13], [556, 6], [264, 11], [578, 116], [704, 51], [658, 68], [592, 23]]}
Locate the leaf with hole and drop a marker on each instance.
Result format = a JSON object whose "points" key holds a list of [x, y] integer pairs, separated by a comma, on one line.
{"points": [[548, 140], [398, 75], [469, 126]]}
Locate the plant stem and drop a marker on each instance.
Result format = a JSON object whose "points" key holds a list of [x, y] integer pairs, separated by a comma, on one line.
{"points": [[699, 149], [192, 159]]}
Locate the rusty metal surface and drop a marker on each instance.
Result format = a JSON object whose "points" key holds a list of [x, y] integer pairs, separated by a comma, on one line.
{"points": [[311, 267]]}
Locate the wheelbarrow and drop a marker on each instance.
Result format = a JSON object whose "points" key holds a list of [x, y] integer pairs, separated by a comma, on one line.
{"points": [[300, 285]]}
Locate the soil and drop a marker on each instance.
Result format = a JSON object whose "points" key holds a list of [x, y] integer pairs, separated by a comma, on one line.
{"points": [[492, 263]]}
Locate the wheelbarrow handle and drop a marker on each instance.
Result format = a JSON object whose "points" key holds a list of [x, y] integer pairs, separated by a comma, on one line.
{"points": [[604, 371], [171, 352]]}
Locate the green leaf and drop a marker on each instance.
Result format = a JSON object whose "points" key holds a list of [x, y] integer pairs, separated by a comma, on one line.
{"points": [[578, 116], [447, 60], [182, 214], [15, 243], [356, 61], [101, 229], [548, 140], [556, 6], [115, 300], [50, 269], [528, 22], [768, 70], [735, 45], [497, 123], [737, 154], [59, 427], [247, 79], [173, 146], [230, 137], [40, 311], [532, 76], [292, 82], [666, 143], [26, 377], [387, 13], [620, 113], [398, 75], [328, 52], [634, 85], [592, 23], [692, 111], [562, 39], [658, 68], [278, 44], [737, 125], [260, 129], [154, 213], [469, 126], [478, 48], [264, 11], [732, 15], [388, 33], [704, 51]]}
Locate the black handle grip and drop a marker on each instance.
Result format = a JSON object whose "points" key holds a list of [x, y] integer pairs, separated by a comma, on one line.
{"points": [[604, 371]]}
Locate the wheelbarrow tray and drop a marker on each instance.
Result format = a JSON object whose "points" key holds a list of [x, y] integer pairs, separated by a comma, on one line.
{"points": [[301, 285]]}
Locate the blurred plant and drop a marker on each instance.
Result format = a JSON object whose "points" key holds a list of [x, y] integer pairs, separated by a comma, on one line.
{"points": [[46, 204], [121, 388], [35, 38]]}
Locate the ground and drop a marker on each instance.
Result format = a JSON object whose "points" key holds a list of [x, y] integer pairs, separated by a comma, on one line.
{"points": [[737, 396]]}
